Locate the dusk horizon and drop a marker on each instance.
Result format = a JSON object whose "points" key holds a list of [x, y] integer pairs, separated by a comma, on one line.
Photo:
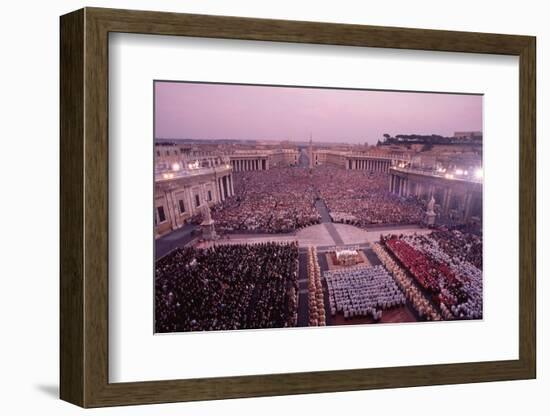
{"points": [[204, 111]]}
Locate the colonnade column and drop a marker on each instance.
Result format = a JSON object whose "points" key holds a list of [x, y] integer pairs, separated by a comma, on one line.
{"points": [[171, 214], [446, 200], [220, 189], [231, 184], [467, 206], [408, 188]]}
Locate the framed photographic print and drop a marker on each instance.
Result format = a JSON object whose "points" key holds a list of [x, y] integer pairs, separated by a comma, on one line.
{"points": [[257, 207]]}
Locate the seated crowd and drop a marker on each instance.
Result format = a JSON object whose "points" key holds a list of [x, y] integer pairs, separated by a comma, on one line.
{"points": [[439, 263], [464, 246], [362, 198], [422, 306], [362, 291], [277, 200], [316, 299], [282, 199], [454, 249], [227, 287]]}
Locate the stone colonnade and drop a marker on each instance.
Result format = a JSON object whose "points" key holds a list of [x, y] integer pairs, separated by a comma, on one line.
{"points": [[461, 196], [369, 164], [249, 164]]}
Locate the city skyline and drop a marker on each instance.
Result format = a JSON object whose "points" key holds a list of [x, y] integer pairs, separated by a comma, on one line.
{"points": [[203, 111]]}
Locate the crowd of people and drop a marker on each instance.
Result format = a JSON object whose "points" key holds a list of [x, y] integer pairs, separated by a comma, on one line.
{"points": [[466, 247], [454, 250], [241, 286], [316, 300], [277, 200], [423, 307], [439, 262], [362, 198], [362, 292], [282, 199]]}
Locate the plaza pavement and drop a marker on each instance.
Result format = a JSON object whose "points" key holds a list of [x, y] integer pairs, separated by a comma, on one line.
{"points": [[320, 235]]}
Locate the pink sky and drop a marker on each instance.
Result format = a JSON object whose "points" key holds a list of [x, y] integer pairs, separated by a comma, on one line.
{"points": [[221, 111]]}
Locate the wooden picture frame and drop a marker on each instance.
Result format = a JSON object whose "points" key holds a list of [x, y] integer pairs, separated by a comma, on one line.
{"points": [[84, 207]]}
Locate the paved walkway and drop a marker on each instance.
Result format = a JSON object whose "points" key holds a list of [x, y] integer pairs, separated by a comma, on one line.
{"points": [[372, 257], [319, 235], [322, 209], [177, 238], [327, 222], [334, 234], [303, 159]]}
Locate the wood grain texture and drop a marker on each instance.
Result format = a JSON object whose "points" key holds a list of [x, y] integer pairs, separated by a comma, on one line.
{"points": [[84, 207], [527, 208], [71, 210]]}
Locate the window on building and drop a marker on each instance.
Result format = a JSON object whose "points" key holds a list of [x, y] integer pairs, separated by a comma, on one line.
{"points": [[197, 200], [162, 216], [182, 206], [158, 153], [210, 195], [168, 153]]}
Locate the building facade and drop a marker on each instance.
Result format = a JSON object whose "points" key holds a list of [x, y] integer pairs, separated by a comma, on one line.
{"points": [[253, 160], [372, 162], [182, 194], [456, 197]]}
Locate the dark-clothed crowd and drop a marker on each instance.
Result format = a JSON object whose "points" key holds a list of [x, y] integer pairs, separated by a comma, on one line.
{"points": [[227, 287]]}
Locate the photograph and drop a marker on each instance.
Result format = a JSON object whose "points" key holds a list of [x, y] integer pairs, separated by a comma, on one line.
{"points": [[282, 206]]}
